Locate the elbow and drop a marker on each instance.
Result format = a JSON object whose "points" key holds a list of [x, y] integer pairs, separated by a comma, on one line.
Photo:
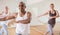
{"points": [[28, 21], [58, 16]]}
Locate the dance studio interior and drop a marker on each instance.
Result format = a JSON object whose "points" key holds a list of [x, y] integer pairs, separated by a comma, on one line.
{"points": [[38, 26]]}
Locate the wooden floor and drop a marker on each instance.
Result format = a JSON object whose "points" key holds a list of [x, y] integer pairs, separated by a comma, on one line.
{"points": [[38, 30], [41, 29], [35, 32], [32, 31]]}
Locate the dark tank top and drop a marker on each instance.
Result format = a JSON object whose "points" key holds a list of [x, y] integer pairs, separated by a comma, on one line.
{"points": [[52, 21], [51, 15]]}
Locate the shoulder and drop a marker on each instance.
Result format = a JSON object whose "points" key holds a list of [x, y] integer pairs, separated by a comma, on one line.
{"points": [[56, 11], [29, 13]]}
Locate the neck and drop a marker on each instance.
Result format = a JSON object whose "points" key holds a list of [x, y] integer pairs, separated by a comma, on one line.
{"points": [[52, 10], [23, 11], [6, 11]]}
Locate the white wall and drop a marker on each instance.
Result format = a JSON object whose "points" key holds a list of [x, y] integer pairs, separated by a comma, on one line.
{"points": [[12, 4], [35, 7], [42, 7]]}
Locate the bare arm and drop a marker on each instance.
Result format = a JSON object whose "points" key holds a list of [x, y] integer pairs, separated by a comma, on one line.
{"points": [[2, 18], [57, 15], [27, 20], [43, 14], [13, 16], [13, 20]]}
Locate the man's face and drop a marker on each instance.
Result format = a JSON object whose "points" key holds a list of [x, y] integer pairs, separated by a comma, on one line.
{"points": [[21, 6]]}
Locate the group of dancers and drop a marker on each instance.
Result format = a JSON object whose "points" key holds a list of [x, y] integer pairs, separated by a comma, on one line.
{"points": [[23, 19]]}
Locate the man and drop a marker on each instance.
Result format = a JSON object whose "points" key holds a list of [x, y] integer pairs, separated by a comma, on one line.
{"points": [[23, 20]]}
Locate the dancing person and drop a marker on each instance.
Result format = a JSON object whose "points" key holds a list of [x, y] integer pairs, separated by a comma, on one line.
{"points": [[23, 20], [3, 22], [53, 14], [4, 17]]}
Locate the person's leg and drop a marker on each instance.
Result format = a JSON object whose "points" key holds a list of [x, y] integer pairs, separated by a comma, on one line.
{"points": [[0, 32], [0, 29], [46, 33], [50, 29], [47, 30], [5, 29]]}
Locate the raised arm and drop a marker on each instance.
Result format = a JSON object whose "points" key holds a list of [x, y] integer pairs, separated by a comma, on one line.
{"points": [[27, 20], [43, 14], [13, 16]]}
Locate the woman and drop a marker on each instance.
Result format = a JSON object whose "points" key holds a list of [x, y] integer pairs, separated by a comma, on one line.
{"points": [[53, 14]]}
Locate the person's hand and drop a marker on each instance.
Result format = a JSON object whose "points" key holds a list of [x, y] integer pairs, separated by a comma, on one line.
{"points": [[3, 19], [7, 18], [17, 21]]}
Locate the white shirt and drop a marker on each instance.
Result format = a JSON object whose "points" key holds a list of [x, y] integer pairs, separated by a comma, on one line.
{"points": [[4, 22], [20, 27]]}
